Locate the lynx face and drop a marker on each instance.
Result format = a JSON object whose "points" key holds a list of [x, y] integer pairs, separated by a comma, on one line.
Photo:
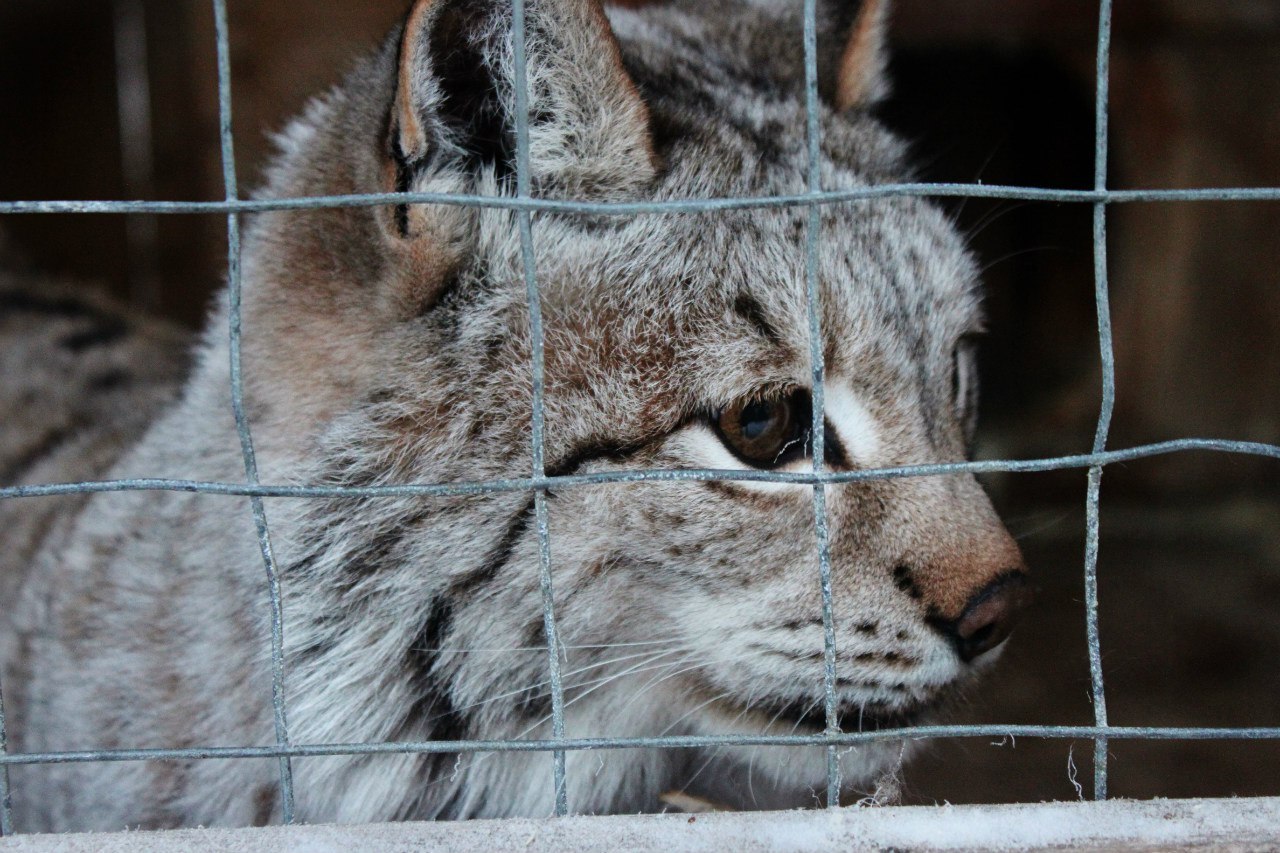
{"points": [[672, 341], [391, 345]]}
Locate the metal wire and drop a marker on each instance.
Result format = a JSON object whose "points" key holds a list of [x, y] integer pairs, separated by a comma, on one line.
{"points": [[237, 404], [525, 205], [432, 747], [536, 346], [1106, 348], [640, 208], [6, 801], [818, 425], [648, 475]]}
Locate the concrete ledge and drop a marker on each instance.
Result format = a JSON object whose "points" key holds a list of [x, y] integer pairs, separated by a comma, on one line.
{"points": [[1234, 825]]}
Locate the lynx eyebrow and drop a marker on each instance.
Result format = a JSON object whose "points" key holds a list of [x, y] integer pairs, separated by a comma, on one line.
{"points": [[749, 308]]}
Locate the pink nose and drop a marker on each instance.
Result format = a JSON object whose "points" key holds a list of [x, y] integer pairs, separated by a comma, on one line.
{"points": [[989, 616]]}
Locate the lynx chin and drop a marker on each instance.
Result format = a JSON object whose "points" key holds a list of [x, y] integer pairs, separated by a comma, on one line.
{"points": [[391, 344]]}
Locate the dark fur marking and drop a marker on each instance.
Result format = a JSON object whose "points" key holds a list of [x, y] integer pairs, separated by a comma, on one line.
{"points": [[304, 656], [765, 143], [536, 633], [519, 523], [264, 804], [535, 701], [450, 286], [667, 131], [378, 396], [677, 80], [728, 489], [110, 380], [374, 554], [30, 303], [903, 580], [787, 654], [833, 451], [750, 309], [731, 489], [679, 87], [391, 133], [404, 183], [479, 426], [860, 684], [886, 657], [434, 704], [434, 701], [591, 450], [107, 330], [498, 557], [51, 441]]}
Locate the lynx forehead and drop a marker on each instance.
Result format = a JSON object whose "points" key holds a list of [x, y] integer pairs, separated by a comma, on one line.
{"points": [[391, 345]]}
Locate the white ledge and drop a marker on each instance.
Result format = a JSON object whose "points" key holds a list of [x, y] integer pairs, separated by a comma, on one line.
{"points": [[1230, 824]]}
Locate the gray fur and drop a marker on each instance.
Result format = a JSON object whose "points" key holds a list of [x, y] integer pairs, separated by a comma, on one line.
{"points": [[391, 346]]}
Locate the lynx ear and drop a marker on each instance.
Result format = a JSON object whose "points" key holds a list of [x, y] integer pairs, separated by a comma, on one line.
{"points": [[455, 106], [852, 51], [861, 78]]}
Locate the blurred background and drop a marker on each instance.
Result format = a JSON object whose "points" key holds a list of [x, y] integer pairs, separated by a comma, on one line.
{"points": [[116, 99]]}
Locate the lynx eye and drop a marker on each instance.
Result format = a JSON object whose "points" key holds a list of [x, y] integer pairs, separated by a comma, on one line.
{"points": [[767, 432]]}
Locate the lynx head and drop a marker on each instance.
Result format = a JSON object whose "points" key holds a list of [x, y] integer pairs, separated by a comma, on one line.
{"points": [[391, 344]]}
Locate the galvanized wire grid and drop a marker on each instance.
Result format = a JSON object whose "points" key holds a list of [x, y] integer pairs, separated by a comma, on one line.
{"points": [[538, 482]]}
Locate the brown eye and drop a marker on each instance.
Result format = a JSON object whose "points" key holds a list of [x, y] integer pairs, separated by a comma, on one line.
{"points": [[767, 432]]}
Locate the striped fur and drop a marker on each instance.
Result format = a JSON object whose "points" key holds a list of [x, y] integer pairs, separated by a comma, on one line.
{"points": [[391, 345]]}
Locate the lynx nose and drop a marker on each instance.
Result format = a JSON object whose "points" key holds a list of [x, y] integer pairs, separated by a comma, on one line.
{"points": [[990, 615]]}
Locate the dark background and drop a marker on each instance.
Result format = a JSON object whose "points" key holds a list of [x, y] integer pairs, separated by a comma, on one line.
{"points": [[1000, 92]]}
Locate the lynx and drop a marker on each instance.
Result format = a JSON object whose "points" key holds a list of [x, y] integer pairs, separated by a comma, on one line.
{"points": [[391, 344]]}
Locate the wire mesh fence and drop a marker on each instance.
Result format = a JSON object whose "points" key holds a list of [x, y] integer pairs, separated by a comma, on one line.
{"points": [[539, 482]]}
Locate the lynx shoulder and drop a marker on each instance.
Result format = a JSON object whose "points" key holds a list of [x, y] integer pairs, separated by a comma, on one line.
{"points": [[391, 344]]}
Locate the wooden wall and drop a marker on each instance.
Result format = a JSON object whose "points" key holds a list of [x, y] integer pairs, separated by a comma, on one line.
{"points": [[999, 91]]}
